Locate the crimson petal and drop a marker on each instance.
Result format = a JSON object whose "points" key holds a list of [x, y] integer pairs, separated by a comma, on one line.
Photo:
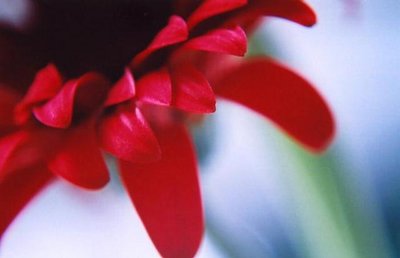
{"points": [[127, 135], [296, 10], [166, 195], [211, 8], [17, 189], [155, 88], [79, 160], [293, 10], [123, 90], [46, 85], [283, 96], [8, 147], [27, 148], [227, 41], [191, 90], [58, 111], [175, 32]]}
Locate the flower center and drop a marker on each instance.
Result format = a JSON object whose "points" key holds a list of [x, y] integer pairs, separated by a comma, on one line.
{"points": [[97, 35]]}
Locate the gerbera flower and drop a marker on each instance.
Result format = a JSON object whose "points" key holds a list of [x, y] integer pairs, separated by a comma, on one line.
{"points": [[123, 77]]}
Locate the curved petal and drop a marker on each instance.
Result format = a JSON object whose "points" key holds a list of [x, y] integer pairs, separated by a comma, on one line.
{"points": [[24, 149], [282, 96], [191, 90], [122, 90], [166, 195], [211, 8], [293, 10], [227, 41], [175, 32], [45, 86], [155, 88], [79, 160], [126, 135], [84, 94], [17, 189], [8, 147]]}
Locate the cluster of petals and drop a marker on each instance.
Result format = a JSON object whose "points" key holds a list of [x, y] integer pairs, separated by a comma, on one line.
{"points": [[60, 126]]}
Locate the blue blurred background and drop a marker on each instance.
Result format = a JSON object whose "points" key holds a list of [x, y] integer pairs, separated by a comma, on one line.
{"points": [[265, 196]]}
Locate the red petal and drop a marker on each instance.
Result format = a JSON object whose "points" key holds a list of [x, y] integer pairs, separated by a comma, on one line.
{"points": [[211, 8], [58, 111], [166, 195], [293, 10], [123, 90], [87, 91], [227, 41], [155, 88], [27, 148], [191, 90], [46, 84], [284, 97], [175, 32], [126, 135], [17, 189], [80, 160], [8, 147]]}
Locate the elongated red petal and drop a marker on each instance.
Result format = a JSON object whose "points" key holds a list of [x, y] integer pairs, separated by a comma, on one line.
{"points": [[294, 10], [80, 160], [123, 90], [191, 90], [155, 88], [166, 195], [175, 32], [8, 147], [282, 96], [227, 41], [126, 135], [58, 111], [24, 149], [17, 189], [45, 86], [211, 8]]}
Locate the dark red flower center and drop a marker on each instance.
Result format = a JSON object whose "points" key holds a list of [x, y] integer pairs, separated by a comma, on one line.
{"points": [[96, 35]]}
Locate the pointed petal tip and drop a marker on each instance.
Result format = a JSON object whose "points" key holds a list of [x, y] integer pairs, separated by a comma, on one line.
{"points": [[323, 146], [192, 92], [309, 17], [176, 31], [123, 90], [303, 14], [127, 136]]}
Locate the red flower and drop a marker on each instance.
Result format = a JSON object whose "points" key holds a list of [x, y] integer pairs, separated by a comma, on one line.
{"points": [[79, 80]]}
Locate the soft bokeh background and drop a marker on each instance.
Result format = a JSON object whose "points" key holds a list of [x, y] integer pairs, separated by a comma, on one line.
{"points": [[264, 196]]}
